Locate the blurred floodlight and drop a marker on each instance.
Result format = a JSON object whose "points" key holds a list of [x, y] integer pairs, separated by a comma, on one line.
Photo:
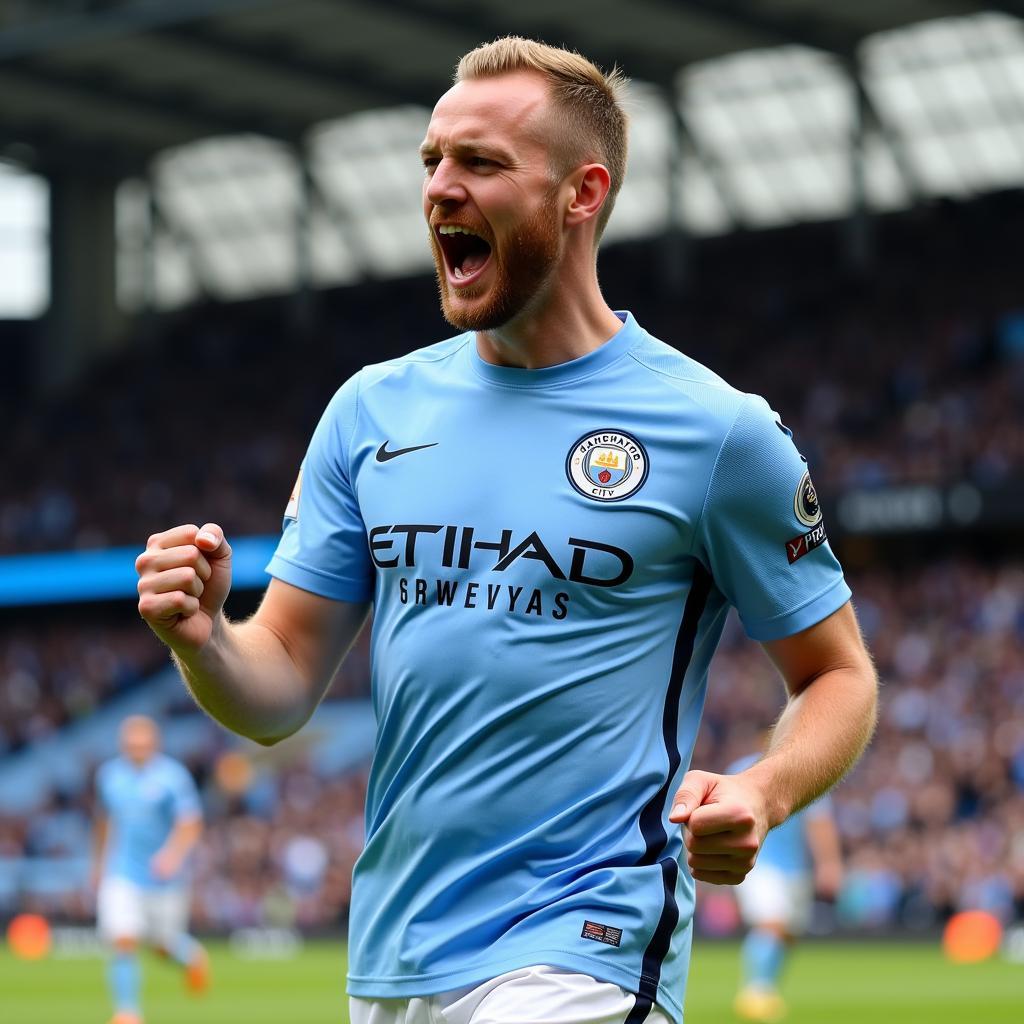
{"points": [[24, 242], [767, 141], [369, 171], [952, 92]]}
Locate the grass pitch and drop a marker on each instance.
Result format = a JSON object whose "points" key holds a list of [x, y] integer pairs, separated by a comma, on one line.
{"points": [[826, 984]]}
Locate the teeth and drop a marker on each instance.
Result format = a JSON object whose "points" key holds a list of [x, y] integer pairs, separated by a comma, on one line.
{"points": [[456, 229]]}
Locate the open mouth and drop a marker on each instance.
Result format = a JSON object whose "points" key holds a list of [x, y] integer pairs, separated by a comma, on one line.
{"points": [[465, 253]]}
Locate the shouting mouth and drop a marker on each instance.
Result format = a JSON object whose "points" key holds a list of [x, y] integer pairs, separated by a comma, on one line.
{"points": [[466, 254]]}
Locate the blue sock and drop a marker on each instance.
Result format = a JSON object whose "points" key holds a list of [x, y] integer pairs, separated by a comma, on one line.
{"points": [[763, 955], [183, 950], [124, 978]]}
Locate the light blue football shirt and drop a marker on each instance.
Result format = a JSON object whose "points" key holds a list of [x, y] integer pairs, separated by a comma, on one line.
{"points": [[143, 804], [785, 847], [551, 554]]}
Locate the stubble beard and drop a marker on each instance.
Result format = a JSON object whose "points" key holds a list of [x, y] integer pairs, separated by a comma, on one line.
{"points": [[521, 269]]}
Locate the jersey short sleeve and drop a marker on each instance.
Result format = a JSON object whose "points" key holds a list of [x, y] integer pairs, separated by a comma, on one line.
{"points": [[761, 533], [323, 548]]}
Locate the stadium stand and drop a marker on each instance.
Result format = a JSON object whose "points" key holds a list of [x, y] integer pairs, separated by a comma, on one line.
{"points": [[930, 818], [930, 821], [53, 673], [901, 373], [913, 375]]}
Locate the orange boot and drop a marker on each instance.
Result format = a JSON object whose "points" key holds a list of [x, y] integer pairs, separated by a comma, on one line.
{"points": [[197, 975]]}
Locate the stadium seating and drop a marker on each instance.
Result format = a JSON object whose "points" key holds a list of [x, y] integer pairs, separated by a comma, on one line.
{"points": [[912, 375]]}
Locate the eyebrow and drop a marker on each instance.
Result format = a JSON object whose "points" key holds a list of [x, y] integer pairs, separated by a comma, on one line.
{"points": [[470, 147]]}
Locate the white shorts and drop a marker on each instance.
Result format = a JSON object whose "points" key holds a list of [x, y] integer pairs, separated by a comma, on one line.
{"points": [[770, 896], [533, 995], [125, 910]]}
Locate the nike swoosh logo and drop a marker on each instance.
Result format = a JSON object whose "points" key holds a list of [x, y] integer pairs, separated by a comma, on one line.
{"points": [[383, 455]]}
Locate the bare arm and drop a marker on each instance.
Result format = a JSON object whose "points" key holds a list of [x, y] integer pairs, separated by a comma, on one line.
{"points": [[264, 677], [828, 719], [261, 678], [825, 726], [826, 854], [183, 837], [100, 830]]}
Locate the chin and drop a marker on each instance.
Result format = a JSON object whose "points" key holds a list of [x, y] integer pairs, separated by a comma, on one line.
{"points": [[479, 310], [468, 318]]}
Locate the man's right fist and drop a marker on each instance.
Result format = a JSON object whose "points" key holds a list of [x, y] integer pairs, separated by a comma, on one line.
{"points": [[184, 579]]}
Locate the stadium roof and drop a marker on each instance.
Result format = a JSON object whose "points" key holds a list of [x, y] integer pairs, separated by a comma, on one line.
{"points": [[249, 123], [119, 80]]}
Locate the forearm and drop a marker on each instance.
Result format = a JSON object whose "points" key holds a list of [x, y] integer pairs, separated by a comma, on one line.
{"points": [[823, 841], [99, 844], [245, 678], [817, 739], [184, 836]]}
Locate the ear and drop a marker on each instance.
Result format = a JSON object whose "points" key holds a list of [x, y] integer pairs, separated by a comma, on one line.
{"points": [[590, 184]]}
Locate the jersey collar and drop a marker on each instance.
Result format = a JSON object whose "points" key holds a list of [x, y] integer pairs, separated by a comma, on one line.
{"points": [[561, 373]]}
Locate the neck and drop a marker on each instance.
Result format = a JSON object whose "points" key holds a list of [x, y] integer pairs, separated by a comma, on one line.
{"points": [[567, 319]]}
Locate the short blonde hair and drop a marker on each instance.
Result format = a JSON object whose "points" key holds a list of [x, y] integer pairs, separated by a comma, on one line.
{"points": [[588, 102]]}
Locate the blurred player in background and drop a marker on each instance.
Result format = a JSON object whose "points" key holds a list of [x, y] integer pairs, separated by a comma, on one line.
{"points": [[149, 821], [551, 513], [799, 859]]}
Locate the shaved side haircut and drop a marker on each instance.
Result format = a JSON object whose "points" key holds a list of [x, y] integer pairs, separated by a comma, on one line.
{"points": [[587, 104]]}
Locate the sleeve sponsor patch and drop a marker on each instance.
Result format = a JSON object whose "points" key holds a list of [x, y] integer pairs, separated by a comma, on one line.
{"points": [[805, 502], [805, 543], [291, 510]]}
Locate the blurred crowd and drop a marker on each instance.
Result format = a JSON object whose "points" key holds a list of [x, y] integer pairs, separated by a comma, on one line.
{"points": [[281, 854], [894, 387], [277, 853], [913, 372], [57, 669], [932, 820], [208, 421]]}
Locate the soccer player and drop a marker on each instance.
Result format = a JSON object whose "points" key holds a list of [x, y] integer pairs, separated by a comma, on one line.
{"points": [[148, 823], [799, 858], [551, 513]]}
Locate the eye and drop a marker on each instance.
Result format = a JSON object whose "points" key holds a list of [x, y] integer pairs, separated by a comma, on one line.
{"points": [[481, 161], [429, 163]]}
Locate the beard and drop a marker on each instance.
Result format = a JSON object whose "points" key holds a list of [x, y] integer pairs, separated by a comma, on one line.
{"points": [[521, 268]]}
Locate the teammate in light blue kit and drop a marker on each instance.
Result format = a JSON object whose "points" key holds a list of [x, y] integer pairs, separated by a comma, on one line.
{"points": [[148, 822], [798, 859], [551, 513]]}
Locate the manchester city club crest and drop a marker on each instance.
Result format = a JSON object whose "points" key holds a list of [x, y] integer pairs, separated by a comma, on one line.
{"points": [[607, 465]]}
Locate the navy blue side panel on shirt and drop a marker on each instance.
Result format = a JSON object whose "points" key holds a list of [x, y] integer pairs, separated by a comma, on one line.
{"points": [[551, 554], [651, 824]]}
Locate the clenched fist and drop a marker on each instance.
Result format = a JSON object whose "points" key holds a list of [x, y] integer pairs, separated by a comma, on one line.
{"points": [[725, 823], [184, 579]]}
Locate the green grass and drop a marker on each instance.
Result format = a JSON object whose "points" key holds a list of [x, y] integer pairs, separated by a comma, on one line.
{"points": [[826, 984]]}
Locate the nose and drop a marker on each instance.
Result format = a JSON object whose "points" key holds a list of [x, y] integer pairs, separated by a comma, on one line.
{"points": [[444, 186]]}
